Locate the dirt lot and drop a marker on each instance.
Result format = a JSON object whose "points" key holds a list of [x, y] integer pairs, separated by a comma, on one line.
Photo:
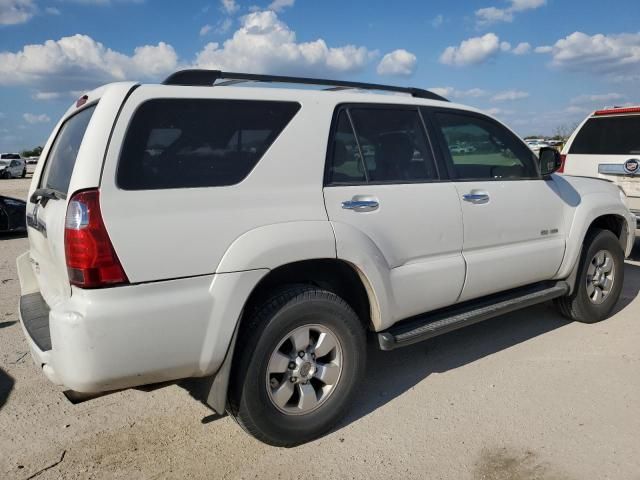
{"points": [[523, 396]]}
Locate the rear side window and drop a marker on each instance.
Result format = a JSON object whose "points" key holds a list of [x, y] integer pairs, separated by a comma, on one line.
{"points": [[182, 143], [64, 151], [482, 149], [391, 147], [608, 136]]}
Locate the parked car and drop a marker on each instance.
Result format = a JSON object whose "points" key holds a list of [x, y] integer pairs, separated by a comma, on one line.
{"points": [[12, 215], [536, 145], [607, 145], [12, 166], [272, 229]]}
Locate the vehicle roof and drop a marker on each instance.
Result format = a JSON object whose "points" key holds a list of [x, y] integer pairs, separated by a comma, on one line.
{"points": [[295, 94]]}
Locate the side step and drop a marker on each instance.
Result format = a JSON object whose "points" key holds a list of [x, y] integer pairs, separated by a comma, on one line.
{"points": [[452, 318]]}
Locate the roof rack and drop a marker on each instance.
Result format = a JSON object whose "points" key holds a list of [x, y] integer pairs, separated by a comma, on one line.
{"points": [[196, 77]]}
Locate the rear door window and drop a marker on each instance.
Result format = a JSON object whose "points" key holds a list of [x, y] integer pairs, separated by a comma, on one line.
{"points": [[64, 151], [389, 145], [608, 136], [183, 143]]}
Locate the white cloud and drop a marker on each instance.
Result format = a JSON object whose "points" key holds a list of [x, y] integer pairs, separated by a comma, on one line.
{"points": [[79, 62], [32, 118], [279, 5], [505, 46], [499, 112], [597, 98], [264, 44], [223, 26], [52, 11], [46, 95], [509, 95], [229, 6], [398, 62], [13, 12], [521, 49], [451, 92], [437, 21], [205, 29], [543, 49], [472, 51], [616, 55], [490, 15]]}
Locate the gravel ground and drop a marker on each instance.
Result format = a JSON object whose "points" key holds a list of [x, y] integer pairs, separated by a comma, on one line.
{"points": [[524, 396]]}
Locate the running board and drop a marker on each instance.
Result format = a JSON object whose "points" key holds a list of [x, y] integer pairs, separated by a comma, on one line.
{"points": [[452, 318]]}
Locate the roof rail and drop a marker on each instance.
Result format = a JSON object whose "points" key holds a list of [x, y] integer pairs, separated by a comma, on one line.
{"points": [[196, 77]]}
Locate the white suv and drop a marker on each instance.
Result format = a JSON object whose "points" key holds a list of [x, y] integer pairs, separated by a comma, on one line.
{"points": [[607, 145], [253, 236], [12, 166]]}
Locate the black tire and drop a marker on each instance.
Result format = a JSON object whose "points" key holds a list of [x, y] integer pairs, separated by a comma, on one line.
{"points": [[6, 174], [24, 173], [282, 312], [578, 306]]}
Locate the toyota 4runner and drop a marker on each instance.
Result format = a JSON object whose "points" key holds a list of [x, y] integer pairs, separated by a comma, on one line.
{"points": [[255, 236]]}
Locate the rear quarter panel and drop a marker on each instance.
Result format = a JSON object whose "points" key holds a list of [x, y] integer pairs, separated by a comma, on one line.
{"points": [[172, 233]]}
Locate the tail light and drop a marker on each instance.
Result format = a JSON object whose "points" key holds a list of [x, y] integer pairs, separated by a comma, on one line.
{"points": [[563, 159], [91, 260]]}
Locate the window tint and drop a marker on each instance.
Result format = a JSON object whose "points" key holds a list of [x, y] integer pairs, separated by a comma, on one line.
{"points": [[10, 156], [62, 157], [392, 144], [608, 136], [482, 149], [179, 143], [346, 162]]}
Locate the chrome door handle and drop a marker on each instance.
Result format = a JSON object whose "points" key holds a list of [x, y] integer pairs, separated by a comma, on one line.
{"points": [[361, 205], [476, 197]]}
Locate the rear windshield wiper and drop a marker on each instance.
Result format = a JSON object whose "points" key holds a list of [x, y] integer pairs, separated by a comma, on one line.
{"points": [[44, 195]]}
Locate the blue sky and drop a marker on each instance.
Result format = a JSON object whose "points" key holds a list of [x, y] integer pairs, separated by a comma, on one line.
{"points": [[535, 64]]}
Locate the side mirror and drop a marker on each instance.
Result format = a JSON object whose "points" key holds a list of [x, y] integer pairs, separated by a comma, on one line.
{"points": [[550, 161]]}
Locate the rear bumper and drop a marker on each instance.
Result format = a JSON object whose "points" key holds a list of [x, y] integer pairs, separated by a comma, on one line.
{"points": [[115, 338]]}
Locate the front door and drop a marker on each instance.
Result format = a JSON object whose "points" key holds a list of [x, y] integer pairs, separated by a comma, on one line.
{"points": [[513, 219], [382, 185]]}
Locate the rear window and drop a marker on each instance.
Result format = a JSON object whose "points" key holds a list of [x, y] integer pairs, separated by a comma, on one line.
{"points": [[10, 156], [64, 151], [182, 143], [608, 136]]}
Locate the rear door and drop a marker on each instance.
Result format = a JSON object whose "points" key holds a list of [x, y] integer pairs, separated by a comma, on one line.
{"points": [[382, 181], [513, 219], [46, 214], [608, 146]]}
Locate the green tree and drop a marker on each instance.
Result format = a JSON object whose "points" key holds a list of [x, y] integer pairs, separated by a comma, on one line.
{"points": [[32, 153]]}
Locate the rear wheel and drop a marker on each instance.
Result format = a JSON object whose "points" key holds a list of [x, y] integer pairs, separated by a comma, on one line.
{"points": [[6, 174], [298, 364], [599, 280]]}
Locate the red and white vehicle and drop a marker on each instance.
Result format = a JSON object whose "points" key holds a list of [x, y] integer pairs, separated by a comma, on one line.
{"points": [[607, 145]]}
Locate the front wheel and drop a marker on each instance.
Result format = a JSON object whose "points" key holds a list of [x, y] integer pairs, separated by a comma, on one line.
{"points": [[24, 173], [299, 361], [599, 280]]}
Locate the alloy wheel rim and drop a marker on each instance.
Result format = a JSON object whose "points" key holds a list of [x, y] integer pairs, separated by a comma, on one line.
{"points": [[600, 277], [304, 369]]}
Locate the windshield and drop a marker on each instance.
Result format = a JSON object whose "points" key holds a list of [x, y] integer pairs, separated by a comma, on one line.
{"points": [[62, 157]]}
